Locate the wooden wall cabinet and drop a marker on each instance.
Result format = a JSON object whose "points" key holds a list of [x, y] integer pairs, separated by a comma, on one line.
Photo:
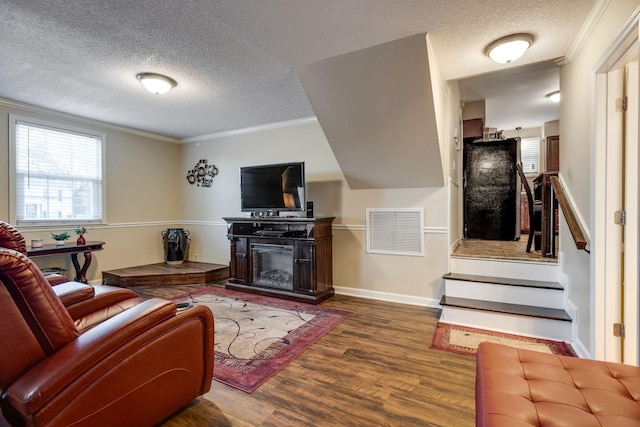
{"points": [[302, 246], [472, 128], [551, 154]]}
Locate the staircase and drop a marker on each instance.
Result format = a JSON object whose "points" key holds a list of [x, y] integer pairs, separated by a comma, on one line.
{"points": [[512, 296]]}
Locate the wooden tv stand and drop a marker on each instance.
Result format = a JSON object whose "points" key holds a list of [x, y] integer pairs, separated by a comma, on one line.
{"points": [[301, 254]]}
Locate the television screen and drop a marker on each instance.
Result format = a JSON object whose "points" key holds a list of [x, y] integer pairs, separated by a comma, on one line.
{"points": [[278, 187]]}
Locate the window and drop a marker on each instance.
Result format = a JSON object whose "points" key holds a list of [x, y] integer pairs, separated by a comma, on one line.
{"points": [[530, 155], [57, 173]]}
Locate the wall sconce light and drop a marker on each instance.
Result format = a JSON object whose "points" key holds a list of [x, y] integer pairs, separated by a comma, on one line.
{"points": [[553, 96], [156, 83], [509, 48]]}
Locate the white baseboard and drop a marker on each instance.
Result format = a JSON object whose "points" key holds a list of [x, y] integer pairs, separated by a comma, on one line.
{"points": [[580, 349], [387, 296]]}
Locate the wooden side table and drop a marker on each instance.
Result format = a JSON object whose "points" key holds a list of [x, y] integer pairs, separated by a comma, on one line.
{"points": [[73, 250]]}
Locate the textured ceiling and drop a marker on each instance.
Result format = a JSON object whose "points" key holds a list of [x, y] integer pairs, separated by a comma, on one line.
{"points": [[235, 60]]}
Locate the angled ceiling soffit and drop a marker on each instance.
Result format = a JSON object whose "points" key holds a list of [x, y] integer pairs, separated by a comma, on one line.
{"points": [[376, 108]]}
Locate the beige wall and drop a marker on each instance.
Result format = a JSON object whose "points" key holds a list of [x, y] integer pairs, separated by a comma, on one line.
{"points": [[147, 192], [473, 110], [143, 193], [353, 269], [551, 128], [576, 149], [533, 132]]}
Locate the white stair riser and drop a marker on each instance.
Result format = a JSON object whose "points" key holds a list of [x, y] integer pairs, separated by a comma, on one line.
{"points": [[509, 269], [508, 323], [549, 298]]}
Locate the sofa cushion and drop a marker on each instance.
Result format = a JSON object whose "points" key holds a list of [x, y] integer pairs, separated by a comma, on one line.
{"points": [[521, 387]]}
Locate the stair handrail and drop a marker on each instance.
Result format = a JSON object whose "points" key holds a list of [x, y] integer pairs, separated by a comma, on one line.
{"points": [[577, 232]]}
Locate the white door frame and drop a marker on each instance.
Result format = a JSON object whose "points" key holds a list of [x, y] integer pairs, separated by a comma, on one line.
{"points": [[631, 302], [606, 248]]}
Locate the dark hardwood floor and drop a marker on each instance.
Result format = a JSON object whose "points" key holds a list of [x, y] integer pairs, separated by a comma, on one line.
{"points": [[373, 369]]}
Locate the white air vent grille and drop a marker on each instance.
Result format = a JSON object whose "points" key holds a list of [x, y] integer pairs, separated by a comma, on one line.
{"points": [[395, 231]]}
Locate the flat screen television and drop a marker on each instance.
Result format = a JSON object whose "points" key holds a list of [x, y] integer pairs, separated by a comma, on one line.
{"points": [[272, 188]]}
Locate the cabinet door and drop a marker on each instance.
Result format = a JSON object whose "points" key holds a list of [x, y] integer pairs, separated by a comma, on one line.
{"points": [[472, 128], [304, 261], [553, 153], [239, 268]]}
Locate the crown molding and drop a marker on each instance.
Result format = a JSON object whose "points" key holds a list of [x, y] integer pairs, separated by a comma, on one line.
{"points": [[586, 29], [251, 129], [92, 122]]}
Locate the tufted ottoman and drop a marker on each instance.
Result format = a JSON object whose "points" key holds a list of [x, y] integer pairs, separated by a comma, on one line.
{"points": [[527, 388]]}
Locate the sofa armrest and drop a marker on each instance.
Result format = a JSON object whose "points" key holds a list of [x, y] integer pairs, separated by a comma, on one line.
{"points": [[73, 292], [104, 296], [56, 279]]}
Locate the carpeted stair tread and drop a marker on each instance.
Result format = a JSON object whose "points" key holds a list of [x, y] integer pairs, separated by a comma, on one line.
{"points": [[500, 307], [504, 281]]}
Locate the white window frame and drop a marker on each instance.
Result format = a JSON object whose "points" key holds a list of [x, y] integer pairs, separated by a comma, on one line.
{"points": [[61, 127], [534, 142]]}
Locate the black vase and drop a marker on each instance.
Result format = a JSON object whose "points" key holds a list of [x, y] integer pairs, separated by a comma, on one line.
{"points": [[176, 245]]}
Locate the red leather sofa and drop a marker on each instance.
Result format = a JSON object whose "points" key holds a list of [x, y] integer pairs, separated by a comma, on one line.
{"points": [[527, 388], [105, 362]]}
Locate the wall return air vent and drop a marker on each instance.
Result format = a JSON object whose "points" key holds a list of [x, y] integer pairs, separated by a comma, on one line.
{"points": [[395, 231]]}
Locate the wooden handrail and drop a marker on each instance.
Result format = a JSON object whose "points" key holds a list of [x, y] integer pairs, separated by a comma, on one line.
{"points": [[575, 228]]}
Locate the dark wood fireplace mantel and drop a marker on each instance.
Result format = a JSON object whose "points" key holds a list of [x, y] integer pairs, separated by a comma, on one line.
{"points": [[310, 264]]}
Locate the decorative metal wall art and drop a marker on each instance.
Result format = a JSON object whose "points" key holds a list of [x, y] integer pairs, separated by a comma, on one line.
{"points": [[202, 174]]}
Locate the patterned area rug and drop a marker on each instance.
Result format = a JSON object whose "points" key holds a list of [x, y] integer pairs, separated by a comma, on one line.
{"points": [[257, 336], [464, 340]]}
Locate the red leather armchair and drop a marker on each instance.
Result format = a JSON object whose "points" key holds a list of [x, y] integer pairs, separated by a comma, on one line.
{"points": [[86, 304], [133, 369]]}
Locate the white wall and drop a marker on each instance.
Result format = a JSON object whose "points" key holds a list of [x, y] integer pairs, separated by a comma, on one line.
{"points": [[576, 150], [411, 279]]}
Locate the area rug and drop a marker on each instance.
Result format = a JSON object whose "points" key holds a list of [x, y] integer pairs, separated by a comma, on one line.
{"points": [[464, 340], [256, 336]]}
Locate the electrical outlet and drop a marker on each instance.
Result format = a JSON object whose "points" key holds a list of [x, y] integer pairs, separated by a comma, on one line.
{"points": [[195, 257]]}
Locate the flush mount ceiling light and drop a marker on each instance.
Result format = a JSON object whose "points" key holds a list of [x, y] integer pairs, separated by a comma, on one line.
{"points": [[509, 48], [553, 96], [156, 83]]}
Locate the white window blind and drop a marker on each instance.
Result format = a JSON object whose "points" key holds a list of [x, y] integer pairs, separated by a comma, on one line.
{"points": [[395, 231], [58, 175], [530, 155]]}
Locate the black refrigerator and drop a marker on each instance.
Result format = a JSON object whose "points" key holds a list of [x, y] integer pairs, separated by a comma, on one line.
{"points": [[491, 189]]}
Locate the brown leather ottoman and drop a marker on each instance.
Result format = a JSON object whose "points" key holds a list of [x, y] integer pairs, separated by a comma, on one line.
{"points": [[527, 388]]}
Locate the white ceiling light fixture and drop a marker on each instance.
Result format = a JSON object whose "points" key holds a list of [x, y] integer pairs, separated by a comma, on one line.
{"points": [[509, 48], [553, 96], [156, 83]]}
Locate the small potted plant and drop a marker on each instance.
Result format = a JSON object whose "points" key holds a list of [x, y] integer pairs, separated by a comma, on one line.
{"points": [[80, 231], [60, 238]]}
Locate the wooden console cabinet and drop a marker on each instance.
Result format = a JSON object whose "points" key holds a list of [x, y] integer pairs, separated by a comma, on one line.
{"points": [[303, 247]]}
